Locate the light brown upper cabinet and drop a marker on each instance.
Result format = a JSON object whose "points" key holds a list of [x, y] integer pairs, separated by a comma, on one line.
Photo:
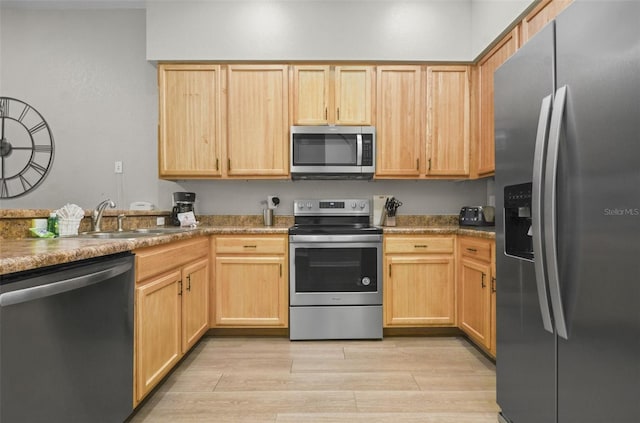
{"points": [[447, 121], [407, 98], [399, 106], [340, 95], [353, 95], [541, 15], [189, 129], [485, 112], [257, 121]]}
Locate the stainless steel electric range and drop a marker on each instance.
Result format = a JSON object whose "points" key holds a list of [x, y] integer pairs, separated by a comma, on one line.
{"points": [[335, 271]]}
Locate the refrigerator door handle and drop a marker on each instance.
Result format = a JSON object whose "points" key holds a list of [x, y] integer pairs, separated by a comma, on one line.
{"points": [[550, 210], [537, 217]]}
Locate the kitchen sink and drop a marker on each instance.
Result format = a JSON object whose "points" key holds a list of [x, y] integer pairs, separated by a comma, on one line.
{"points": [[134, 233]]}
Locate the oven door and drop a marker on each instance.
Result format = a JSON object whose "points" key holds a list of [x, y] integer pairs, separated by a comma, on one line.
{"points": [[335, 270]]}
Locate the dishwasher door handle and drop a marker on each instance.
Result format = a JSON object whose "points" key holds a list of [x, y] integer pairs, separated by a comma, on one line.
{"points": [[54, 288]]}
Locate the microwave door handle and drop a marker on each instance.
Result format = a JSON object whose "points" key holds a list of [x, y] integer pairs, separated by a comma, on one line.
{"points": [[550, 211], [536, 214], [358, 149]]}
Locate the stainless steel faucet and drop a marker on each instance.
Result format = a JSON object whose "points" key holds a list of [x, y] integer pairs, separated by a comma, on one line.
{"points": [[96, 216]]}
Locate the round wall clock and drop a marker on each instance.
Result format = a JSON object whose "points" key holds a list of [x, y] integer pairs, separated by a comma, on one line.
{"points": [[26, 148]]}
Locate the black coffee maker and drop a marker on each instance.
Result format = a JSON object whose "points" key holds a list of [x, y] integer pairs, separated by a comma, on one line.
{"points": [[182, 202]]}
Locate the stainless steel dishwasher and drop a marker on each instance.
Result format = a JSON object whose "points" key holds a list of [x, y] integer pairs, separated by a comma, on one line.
{"points": [[66, 342]]}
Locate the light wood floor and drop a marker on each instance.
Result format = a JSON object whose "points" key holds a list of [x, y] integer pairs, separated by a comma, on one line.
{"points": [[398, 379]]}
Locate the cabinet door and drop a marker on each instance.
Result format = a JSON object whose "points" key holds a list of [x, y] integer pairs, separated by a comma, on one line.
{"points": [[158, 346], [189, 127], [251, 291], [419, 291], [353, 99], [195, 302], [257, 120], [311, 95], [541, 15], [398, 123], [474, 299], [486, 67], [448, 120]]}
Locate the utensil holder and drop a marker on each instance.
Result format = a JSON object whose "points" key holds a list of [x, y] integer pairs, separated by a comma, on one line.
{"points": [[267, 214]]}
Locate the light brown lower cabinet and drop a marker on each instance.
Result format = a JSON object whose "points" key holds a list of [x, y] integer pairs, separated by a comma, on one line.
{"points": [[476, 290], [171, 308], [251, 287], [419, 281]]}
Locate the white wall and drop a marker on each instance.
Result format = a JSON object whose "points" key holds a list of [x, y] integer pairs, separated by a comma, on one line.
{"points": [[86, 72], [418, 197], [309, 30], [396, 30], [489, 18]]}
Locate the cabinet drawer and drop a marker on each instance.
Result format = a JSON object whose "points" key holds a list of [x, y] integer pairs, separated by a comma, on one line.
{"points": [[475, 248], [251, 245], [155, 260], [418, 244]]}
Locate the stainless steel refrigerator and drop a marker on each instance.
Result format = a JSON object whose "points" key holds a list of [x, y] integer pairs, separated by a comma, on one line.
{"points": [[567, 133]]}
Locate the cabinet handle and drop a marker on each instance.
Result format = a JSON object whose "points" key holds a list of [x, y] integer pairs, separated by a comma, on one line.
{"points": [[483, 284], [217, 164], [228, 164], [472, 250], [188, 282], [493, 284], [338, 113], [417, 164], [326, 113], [389, 270], [179, 287], [429, 165], [280, 269], [250, 246], [420, 246]]}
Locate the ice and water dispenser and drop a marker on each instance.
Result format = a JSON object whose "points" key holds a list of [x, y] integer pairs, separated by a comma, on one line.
{"points": [[517, 221]]}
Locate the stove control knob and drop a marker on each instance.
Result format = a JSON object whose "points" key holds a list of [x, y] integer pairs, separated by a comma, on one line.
{"points": [[309, 205], [362, 204], [366, 281], [353, 205]]}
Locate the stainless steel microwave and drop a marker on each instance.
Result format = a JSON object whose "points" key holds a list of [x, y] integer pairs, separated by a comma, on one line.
{"points": [[333, 152]]}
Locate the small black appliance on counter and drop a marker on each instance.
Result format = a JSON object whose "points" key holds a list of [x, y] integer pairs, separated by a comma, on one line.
{"points": [[477, 216], [182, 202]]}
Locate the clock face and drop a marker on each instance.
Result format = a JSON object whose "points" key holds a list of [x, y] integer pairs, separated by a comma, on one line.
{"points": [[26, 148]]}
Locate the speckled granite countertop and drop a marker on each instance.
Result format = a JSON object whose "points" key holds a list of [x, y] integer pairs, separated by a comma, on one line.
{"points": [[487, 232], [30, 253]]}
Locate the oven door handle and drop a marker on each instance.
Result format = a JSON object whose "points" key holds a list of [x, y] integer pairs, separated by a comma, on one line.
{"points": [[329, 245], [332, 240], [358, 149]]}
